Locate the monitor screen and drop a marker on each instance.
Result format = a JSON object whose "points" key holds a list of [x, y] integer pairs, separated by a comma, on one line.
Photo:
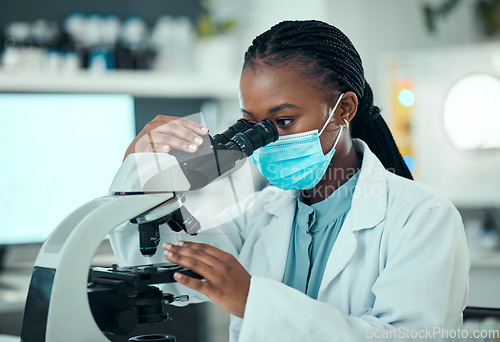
{"points": [[57, 152]]}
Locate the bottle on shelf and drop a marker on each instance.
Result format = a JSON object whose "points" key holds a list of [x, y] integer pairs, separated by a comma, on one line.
{"points": [[17, 45], [99, 43], [133, 51], [71, 41], [173, 41], [489, 234]]}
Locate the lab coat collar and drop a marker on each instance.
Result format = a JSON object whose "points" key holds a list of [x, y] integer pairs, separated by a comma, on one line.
{"points": [[279, 199], [368, 208], [369, 203]]}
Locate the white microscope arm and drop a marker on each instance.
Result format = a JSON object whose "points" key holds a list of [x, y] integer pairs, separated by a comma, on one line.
{"points": [[57, 308]]}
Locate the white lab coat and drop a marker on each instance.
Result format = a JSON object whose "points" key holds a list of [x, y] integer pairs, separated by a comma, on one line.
{"points": [[400, 259]]}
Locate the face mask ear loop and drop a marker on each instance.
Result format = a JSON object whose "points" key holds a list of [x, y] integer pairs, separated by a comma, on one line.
{"points": [[331, 114], [338, 138]]}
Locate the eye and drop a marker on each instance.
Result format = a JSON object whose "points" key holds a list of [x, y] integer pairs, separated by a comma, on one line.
{"points": [[283, 122]]}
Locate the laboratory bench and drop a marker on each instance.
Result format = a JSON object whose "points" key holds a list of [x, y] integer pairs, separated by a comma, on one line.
{"points": [[197, 322], [484, 280], [210, 321]]}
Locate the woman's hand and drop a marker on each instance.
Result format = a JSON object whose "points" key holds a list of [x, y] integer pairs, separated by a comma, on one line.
{"points": [[225, 281], [168, 132]]}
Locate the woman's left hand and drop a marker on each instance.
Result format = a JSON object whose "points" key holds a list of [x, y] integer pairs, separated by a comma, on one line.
{"points": [[225, 281]]}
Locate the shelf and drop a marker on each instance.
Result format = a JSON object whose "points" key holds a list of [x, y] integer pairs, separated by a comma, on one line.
{"points": [[135, 83]]}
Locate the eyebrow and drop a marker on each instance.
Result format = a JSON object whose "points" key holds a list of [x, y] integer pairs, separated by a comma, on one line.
{"points": [[275, 109]]}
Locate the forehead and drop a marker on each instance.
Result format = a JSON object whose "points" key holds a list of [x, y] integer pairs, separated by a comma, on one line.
{"points": [[273, 85]]}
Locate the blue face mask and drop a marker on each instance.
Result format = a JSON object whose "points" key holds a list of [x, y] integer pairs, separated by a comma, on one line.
{"points": [[296, 161]]}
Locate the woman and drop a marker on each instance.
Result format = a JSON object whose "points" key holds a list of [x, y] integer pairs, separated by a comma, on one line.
{"points": [[345, 244]]}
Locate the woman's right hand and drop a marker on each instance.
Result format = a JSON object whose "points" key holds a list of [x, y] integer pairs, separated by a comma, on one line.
{"points": [[165, 133]]}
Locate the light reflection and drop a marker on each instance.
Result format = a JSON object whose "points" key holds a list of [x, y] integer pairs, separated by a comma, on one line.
{"points": [[472, 112], [406, 97]]}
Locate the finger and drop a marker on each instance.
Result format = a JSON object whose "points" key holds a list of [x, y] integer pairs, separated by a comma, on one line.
{"points": [[198, 254], [175, 143], [178, 137], [156, 148], [209, 249], [182, 129], [199, 285], [162, 120], [178, 133], [153, 147], [192, 264], [155, 142], [177, 129], [193, 126]]}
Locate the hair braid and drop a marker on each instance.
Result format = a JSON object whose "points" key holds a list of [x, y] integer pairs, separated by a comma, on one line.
{"points": [[326, 55]]}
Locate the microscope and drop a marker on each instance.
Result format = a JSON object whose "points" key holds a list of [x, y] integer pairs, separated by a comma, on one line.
{"points": [[67, 302]]}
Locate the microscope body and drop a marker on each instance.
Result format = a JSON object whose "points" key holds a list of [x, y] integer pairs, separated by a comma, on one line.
{"points": [[147, 190], [57, 307]]}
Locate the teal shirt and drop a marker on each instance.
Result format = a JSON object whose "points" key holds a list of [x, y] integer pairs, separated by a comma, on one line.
{"points": [[315, 229]]}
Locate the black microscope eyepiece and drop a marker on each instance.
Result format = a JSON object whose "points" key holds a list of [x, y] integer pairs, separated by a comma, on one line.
{"points": [[258, 135], [239, 127]]}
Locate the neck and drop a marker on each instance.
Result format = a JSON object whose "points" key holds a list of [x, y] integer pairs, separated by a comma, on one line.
{"points": [[345, 163]]}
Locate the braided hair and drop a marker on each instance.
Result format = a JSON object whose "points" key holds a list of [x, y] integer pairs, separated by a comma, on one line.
{"points": [[325, 54]]}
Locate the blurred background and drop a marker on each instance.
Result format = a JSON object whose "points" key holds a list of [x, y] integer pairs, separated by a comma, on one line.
{"points": [[93, 73]]}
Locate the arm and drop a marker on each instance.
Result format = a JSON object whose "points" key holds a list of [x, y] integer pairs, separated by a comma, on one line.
{"points": [[424, 283], [227, 237], [125, 244]]}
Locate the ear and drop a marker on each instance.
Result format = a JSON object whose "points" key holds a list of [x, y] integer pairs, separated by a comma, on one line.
{"points": [[349, 107]]}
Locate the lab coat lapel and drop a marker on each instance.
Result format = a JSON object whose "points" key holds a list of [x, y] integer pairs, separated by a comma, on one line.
{"points": [[276, 235], [368, 208], [340, 255]]}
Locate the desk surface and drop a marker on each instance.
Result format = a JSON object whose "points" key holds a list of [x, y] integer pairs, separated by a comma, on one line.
{"points": [[15, 278], [5, 338]]}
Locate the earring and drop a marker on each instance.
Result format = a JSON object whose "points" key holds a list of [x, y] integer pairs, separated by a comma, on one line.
{"points": [[346, 124]]}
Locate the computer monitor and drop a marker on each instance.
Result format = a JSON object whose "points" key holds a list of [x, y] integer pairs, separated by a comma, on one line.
{"points": [[57, 152]]}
